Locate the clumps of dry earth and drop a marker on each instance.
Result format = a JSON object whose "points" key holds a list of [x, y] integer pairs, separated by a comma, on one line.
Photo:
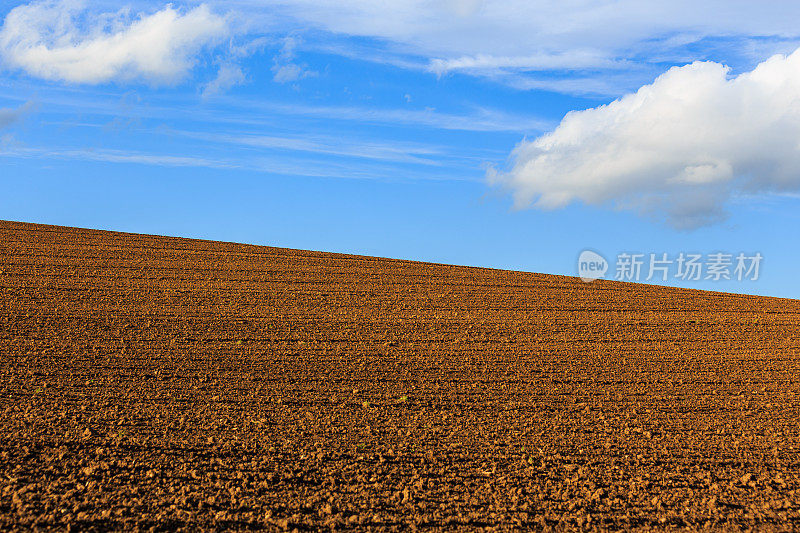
{"points": [[162, 383]]}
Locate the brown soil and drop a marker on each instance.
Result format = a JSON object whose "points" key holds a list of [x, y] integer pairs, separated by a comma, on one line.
{"points": [[181, 384]]}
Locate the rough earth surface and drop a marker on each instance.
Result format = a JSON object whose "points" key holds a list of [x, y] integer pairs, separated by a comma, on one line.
{"points": [[162, 383]]}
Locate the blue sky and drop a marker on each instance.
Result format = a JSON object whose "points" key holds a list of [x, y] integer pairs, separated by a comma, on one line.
{"points": [[432, 131]]}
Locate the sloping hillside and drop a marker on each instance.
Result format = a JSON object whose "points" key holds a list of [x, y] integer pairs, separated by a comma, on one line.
{"points": [[155, 381]]}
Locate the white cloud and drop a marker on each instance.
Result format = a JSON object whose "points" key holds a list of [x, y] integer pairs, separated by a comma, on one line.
{"points": [[576, 59], [284, 68], [230, 72], [676, 149], [493, 37], [9, 116], [518, 28], [229, 76], [64, 41]]}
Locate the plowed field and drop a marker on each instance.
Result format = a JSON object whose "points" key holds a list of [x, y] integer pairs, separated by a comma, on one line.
{"points": [[154, 382]]}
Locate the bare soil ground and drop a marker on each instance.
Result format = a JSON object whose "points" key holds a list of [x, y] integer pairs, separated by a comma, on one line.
{"points": [[154, 382]]}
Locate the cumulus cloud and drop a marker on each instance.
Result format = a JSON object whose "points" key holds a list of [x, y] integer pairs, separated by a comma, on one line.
{"points": [[62, 40], [676, 149]]}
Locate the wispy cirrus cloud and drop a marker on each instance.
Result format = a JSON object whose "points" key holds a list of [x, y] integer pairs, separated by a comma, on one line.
{"points": [[400, 152], [514, 39], [476, 119], [252, 112], [571, 60], [265, 165], [523, 28]]}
